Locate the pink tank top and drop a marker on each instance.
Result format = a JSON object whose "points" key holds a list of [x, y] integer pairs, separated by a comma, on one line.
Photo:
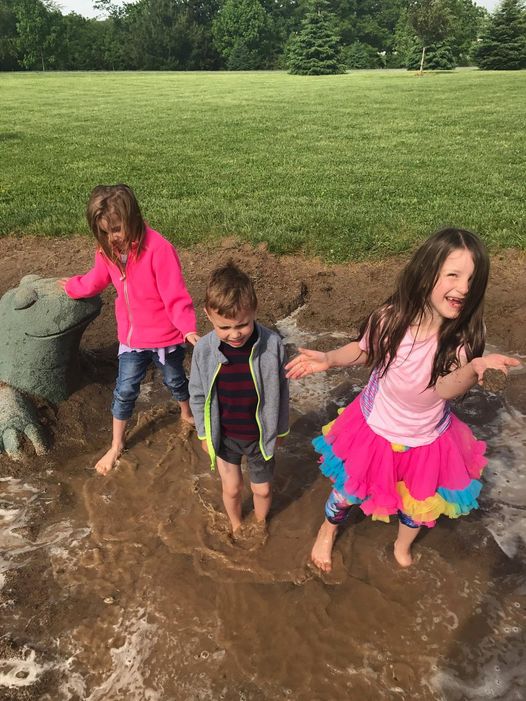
{"points": [[399, 406]]}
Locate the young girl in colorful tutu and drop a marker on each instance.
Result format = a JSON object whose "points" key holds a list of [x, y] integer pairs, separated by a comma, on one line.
{"points": [[397, 449]]}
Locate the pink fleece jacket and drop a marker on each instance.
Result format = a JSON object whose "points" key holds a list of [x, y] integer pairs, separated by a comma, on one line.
{"points": [[153, 307]]}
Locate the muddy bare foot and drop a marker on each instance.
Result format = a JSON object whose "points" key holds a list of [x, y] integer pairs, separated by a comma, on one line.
{"points": [[186, 412], [108, 460], [251, 534], [321, 554], [402, 555]]}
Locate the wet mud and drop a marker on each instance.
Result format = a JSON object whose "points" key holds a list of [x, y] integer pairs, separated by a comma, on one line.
{"points": [[130, 586]]}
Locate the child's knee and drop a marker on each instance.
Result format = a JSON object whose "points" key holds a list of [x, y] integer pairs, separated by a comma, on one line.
{"points": [[232, 490], [124, 398], [263, 490]]}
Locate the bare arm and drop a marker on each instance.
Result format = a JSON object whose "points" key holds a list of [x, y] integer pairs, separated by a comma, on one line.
{"points": [[311, 361], [458, 382]]}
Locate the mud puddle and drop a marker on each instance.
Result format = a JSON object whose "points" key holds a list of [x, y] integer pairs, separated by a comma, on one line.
{"points": [[133, 589], [129, 587]]}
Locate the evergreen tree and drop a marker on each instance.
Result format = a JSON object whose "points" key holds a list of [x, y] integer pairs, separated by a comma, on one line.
{"points": [[439, 57], [316, 49], [503, 46]]}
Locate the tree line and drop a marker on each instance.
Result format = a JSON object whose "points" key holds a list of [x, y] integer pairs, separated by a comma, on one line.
{"points": [[259, 34]]}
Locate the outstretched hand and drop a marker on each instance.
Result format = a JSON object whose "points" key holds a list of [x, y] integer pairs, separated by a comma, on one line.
{"points": [[62, 282], [306, 363], [494, 361]]}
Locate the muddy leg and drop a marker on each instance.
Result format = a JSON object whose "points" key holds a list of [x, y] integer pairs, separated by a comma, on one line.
{"points": [[232, 482], [262, 494], [108, 460], [321, 554], [402, 545], [186, 412]]}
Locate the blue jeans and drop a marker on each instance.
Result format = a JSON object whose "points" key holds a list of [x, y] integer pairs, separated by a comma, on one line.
{"points": [[132, 369]]}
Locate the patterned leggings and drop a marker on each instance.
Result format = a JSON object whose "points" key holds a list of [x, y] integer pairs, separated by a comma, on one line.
{"points": [[337, 510]]}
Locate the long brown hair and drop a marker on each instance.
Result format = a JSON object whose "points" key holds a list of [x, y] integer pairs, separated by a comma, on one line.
{"points": [[387, 325], [119, 201]]}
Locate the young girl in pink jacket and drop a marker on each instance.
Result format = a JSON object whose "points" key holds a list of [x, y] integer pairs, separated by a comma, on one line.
{"points": [[154, 311]]}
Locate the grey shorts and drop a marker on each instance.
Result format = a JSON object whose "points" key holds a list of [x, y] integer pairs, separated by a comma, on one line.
{"points": [[232, 450]]}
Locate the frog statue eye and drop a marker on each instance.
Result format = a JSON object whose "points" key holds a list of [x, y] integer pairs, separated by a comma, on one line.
{"points": [[24, 297]]}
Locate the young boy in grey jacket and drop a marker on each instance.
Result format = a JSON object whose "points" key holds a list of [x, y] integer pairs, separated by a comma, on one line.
{"points": [[239, 394]]}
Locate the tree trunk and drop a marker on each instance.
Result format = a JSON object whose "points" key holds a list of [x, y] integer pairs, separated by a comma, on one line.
{"points": [[420, 72], [42, 57]]}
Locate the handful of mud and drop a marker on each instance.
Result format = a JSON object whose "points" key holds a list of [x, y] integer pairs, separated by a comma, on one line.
{"points": [[494, 380]]}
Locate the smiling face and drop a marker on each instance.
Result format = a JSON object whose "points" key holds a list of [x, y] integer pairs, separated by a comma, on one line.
{"points": [[235, 332], [452, 285]]}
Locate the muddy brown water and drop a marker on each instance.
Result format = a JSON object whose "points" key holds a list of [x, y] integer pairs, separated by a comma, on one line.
{"points": [[129, 587], [133, 588]]}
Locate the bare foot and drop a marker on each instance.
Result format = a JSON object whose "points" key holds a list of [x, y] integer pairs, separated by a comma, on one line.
{"points": [[234, 533], [321, 554], [402, 555], [186, 412], [108, 460]]}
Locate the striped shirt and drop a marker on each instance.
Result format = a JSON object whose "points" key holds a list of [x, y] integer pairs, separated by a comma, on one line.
{"points": [[236, 393]]}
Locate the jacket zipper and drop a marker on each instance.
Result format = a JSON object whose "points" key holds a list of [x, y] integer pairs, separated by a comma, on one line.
{"points": [[267, 457], [208, 422], [124, 278]]}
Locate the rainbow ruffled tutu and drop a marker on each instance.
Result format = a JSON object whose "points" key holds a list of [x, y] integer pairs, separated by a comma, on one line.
{"points": [[441, 478]]}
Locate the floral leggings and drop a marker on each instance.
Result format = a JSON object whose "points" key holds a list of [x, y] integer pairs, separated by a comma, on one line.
{"points": [[337, 510]]}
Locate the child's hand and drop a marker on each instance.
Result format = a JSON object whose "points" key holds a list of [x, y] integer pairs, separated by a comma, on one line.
{"points": [[62, 282], [192, 338], [494, 361], [204, 446], [307, 363]]}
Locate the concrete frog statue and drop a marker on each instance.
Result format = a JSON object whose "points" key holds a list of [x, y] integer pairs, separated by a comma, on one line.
{"points": [[41, 331]]}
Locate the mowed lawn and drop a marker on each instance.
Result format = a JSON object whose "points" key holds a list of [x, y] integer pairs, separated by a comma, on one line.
{"points": [[359, 165]]}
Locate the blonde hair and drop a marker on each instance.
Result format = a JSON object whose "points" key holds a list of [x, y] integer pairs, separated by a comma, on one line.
{"points": [[230, 291], [119, 201]]}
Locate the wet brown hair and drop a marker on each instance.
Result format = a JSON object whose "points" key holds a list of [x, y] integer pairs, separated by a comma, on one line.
{"points": [[387, 325], [119, 201], [230, 291]]}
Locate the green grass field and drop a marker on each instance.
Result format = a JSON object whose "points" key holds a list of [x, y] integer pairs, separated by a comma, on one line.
{"points": [[351, 166]]}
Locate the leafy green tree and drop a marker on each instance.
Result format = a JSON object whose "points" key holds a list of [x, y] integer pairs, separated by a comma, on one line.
{"points": [[316, 49], [82, 44], [8, 36], [467, 21], [360, 55], [241, 33], [39, 31], [503, 46], [465, 24], [376, 21], [431, 21]]}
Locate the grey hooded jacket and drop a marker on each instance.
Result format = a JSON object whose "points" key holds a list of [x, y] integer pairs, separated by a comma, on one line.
{"points": [[267, 361]]}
